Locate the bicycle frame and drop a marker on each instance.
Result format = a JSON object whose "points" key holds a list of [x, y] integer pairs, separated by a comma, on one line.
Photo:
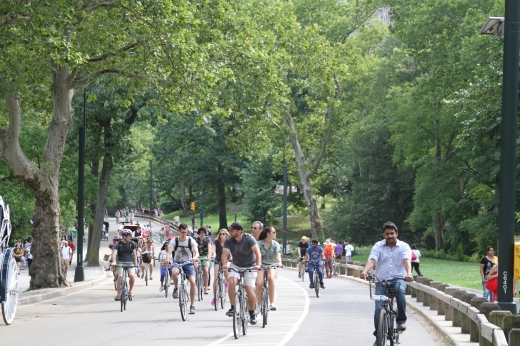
{"points": [[241, 315], [183, 291], [264, 308], [387, 332]]}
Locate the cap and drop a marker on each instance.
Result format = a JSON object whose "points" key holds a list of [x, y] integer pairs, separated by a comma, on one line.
{"points": [[304, 238], [236, 225]]}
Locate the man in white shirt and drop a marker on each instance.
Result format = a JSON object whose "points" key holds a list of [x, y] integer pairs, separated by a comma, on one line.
{"points": [[66, 255]]}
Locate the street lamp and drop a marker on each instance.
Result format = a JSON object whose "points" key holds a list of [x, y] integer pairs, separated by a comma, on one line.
{"points": [[510, 27], [79, 274], [284, 210]]}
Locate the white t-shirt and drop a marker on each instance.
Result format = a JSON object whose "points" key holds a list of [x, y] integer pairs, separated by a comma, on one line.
{"points": [[183, 254], [65, 252], [348, 250], [418, 254]]}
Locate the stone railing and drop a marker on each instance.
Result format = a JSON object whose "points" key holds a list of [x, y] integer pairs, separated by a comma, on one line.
{"points": [[483, 321]]}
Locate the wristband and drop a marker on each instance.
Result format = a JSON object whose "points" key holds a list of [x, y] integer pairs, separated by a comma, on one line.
{"points": [[409, 274]]}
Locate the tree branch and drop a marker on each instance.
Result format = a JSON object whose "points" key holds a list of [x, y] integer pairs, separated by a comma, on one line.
{"points": [[83, 13], [82, 83], [325, 141], [111, 54]]}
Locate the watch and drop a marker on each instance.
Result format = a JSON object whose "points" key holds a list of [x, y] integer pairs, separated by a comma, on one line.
{"points": [[409, 274]]}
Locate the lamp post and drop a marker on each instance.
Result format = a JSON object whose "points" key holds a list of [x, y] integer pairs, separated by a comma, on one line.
{"points": [[510, 26], [79, 274], [284, 210], [151, 189]]}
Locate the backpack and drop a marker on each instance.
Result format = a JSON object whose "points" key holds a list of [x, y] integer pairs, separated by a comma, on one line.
{"points": [[414, 256]]}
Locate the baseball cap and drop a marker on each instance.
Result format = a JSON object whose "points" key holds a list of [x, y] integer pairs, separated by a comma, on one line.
{"points": [[236, 225], [304, 238]]}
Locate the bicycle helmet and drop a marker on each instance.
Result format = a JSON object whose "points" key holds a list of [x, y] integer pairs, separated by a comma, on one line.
{"points": [[126, 231]]}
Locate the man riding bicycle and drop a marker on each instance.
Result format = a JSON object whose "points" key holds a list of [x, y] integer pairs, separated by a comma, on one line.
{"points": [[246, 255], [303, 245], [124, 252], [204, 245], [392, 257], [314, 256], [184, 250]]}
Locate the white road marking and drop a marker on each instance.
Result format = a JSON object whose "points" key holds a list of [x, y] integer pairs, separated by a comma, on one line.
{"points": [[298, 323]]}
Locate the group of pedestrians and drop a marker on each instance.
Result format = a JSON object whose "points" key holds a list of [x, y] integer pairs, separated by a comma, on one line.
{"points": [[22, 254]]}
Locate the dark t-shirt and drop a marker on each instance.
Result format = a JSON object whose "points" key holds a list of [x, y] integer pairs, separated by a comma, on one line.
{"points": [[487, 265], [125, 251], [243, 256], [203, 245], [303, 247]]}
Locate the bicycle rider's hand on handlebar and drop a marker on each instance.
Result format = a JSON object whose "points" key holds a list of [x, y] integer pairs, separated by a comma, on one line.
{"points": [[408, 278], [255, 267], [364, 275]]}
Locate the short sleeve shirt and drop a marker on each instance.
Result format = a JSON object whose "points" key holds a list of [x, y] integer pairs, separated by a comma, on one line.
{"points": [[203, 246], [389, 261], [243, 256], [315, 254], [339, 249], [303, 247], [125, 251], [269, 253], [183, 252], [487, 265]]}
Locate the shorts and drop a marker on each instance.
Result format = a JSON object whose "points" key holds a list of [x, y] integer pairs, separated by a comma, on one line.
{"points": [[120, 266], [188, 269], [328, 260], [204, 261], [249, 277], [147, 258], [65, 263]]}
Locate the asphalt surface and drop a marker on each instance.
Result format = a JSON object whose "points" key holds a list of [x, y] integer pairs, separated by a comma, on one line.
{"points": [[342, 315]]}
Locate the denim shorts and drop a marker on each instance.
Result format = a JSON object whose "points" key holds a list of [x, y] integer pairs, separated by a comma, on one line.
{"points": [[188, 269]]}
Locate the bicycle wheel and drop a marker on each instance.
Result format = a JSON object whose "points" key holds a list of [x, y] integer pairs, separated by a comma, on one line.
{"points": [[223, 293], [182, 301], [317, 283], [245, 311], [302, 272], [265, 305], [216, 293], [393, 334], [236, 317], [166, 282], [123, 295], [199, 284], [146, 274], [382, 329]]}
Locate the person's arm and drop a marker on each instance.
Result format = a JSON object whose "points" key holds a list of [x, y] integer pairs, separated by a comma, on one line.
{"points": [[256, 251], [482, 272], [113, 259], [134, 251], [169, 254], [370, 264], [300, 252], [195, 250], [224, 258], [408, 268]]}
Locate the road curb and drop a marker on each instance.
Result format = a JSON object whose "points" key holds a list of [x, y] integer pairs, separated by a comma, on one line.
{"points": [[62, 291]]}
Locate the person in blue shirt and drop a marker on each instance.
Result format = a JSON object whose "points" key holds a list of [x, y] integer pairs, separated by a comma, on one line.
{"points": [[314, 256]]}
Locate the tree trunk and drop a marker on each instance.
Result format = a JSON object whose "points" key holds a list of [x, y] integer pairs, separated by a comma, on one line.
{"points": [[46, 269], [222, 212], [99, 211], [182, 195], [439, 237], [90, 226]]}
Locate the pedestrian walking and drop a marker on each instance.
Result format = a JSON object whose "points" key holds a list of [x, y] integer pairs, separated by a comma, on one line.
{"points": [[66, 254], [416, 254], [486, 264]]}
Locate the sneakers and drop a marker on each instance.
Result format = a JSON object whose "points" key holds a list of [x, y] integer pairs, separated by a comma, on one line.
{"points": [[213, 302], [272, 307], [322, 286], [311, 286], [192, 310], [151, 278], [175, 294], [117, 298], [142, 276], [231, 312], [130, 295], [161, 288], [299, 275], [401, 327], [205, 291], [252, 317]]}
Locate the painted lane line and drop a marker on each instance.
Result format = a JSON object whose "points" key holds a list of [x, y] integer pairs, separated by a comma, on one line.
{"points": [[298, 323]]}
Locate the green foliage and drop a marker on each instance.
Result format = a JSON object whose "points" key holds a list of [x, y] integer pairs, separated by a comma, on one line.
{"points": [[261, 201]]}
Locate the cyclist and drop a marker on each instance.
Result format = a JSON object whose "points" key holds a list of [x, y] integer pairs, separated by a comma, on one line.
{"points": [[184, 249], [392, 257], [161, 234], [216, 253], [165, 264], [124, 252], [147, 254], [315, 254], [270, 250], [302, 246], [246, 255], [256, 229], [204, 244]]}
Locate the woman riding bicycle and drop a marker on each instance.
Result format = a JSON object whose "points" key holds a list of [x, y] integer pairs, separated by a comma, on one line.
{"points": [[270, 250], [147, 253], [165, 264], [216, 253]]}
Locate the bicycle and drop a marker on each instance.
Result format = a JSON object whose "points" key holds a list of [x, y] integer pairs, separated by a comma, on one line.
{"points": [[124, 287], [264, 307], [241, 312], [220, 290], [316, 278], [166, 282], [200, 280], [183, 291], [387, 332], [146, 269], [302, 270]]}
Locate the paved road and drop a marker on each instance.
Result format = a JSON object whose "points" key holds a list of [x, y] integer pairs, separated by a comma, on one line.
{"points": [[341, 316]]}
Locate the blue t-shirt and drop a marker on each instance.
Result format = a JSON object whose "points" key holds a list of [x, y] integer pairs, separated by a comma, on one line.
{"points": [[315, 254]]}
